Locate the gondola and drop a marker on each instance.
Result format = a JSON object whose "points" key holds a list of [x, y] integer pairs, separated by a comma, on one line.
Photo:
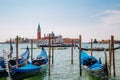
{"points": [[2, 67], [35, 67], [94, 67], [12, 62], [98, 49]]}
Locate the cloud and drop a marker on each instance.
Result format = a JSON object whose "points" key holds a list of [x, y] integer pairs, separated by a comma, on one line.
{"points": [[107, 23], [109, 17]]}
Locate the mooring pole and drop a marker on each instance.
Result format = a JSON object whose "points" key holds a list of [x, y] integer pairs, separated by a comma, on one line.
{"points": [[49, 56], [11, 48], [112, 47], [91, 47], [52, 51], [31, 49], [74, 44], [72, 53], [17, 52], [80, 68], [109, 59]]}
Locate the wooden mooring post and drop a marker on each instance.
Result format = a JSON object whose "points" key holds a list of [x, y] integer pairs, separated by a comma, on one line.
{"points": [[72, 52], [31, 49], [80, 68], [49, 55], [113, 55], [17, 52], [109, 65], [11, 48], [91, 47], [52, 52]]}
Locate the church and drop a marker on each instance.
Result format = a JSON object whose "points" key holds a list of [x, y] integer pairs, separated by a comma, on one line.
{"points": [[45, 40]]}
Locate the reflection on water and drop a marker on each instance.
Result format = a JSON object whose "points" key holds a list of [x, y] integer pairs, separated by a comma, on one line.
{"points": [[62, 69], [37, 77]]}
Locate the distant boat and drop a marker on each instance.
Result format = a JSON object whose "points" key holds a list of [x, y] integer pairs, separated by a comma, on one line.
{"points": [[94, 67], [56, 45], [98, 49], [37, 66], [61, 48], [12, 62]]}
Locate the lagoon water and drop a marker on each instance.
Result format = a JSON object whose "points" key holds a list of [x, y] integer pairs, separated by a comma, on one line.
{"points": [[62, 69]]}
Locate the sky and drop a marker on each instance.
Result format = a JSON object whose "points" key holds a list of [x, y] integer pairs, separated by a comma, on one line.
{"points": [[92, 19]]}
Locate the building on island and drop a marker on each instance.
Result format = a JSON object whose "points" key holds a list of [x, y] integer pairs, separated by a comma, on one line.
{"points": [[45, 40], [57, 40], [40, 41]]}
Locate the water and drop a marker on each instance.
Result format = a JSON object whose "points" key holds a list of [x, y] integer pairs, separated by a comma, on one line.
{"points": [[62, 69]]}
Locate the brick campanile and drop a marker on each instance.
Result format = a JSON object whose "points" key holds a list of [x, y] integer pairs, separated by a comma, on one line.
{"points": [[39, 32]]}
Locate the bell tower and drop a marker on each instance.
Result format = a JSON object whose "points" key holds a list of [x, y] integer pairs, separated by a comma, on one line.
{"points": [[39, 32]]}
